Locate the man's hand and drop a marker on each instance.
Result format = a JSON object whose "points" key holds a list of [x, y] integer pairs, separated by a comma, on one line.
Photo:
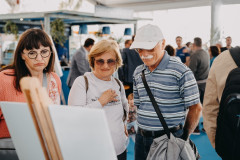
{"points": [[192, 118], [185, 50], [125, 130]]}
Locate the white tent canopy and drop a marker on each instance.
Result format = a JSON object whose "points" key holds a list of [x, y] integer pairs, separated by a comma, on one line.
{"points": [[150, 5]]}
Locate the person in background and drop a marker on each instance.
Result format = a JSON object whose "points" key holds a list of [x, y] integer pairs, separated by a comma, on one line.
{"points": [[131, 60], [216, 81], [213, 52], [104, 91], [128, 43], [219, 45], [79, 63], [188, 44], [132, 116], [33, 57], [182, 51], [199, 64], [174, 88], [228, 44], [172, 52]]}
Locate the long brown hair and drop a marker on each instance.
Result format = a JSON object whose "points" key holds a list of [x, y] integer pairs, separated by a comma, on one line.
{"points": [[30, 39]]}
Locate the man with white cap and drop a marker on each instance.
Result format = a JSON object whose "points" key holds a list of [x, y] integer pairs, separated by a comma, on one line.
{"points": [[173, 86]]}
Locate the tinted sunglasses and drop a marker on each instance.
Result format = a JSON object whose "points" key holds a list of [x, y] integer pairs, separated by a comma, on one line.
{"points": [[110, 62]]}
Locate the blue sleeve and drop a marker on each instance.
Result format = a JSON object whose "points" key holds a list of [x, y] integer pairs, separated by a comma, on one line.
{"points": [[189, 89]]}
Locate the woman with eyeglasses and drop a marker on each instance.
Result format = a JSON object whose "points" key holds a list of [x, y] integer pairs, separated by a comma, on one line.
{"points": [[33, 57], [98, 89]]}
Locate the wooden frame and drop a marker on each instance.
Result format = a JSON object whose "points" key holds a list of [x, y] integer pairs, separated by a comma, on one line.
{"points": [[38, 101]]}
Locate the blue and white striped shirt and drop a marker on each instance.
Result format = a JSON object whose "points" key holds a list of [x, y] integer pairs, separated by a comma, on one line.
{"points": [[174, 88]]}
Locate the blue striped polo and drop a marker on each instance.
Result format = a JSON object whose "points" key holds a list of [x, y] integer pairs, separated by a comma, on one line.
{"points": [[174, 88]]}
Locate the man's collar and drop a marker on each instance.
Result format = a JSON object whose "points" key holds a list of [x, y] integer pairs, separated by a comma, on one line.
{"points": [[163, 64], [85, 50]]}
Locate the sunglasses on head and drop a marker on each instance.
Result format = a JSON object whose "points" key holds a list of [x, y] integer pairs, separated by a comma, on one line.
{"points": [[110, 62]]}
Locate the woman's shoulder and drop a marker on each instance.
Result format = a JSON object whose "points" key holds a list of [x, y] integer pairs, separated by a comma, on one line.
{"points": [[55, 75], [7, 74], [7, 79], [57, 78], [82, 80], [8, 71]]}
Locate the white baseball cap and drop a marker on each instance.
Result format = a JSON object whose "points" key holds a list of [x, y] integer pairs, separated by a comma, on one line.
{"points": [[147, 37]]}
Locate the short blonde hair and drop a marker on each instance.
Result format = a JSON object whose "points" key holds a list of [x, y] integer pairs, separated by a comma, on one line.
{"points": [[102, 47]]}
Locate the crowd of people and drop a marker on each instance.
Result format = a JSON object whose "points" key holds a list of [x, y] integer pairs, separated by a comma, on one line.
{"points": [[179, 78]]}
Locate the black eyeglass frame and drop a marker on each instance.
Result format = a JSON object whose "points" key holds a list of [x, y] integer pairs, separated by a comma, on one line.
{"points": [[49, 53]]}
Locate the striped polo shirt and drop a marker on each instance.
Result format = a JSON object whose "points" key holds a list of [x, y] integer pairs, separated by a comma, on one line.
{"points": [[174, 88]]}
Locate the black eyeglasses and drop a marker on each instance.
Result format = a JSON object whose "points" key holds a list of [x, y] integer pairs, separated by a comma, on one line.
{"points": [[44, 53], [110, 62]]}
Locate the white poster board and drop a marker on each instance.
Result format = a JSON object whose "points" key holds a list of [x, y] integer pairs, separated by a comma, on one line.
{"points": [[22, 130], [82, 133]]}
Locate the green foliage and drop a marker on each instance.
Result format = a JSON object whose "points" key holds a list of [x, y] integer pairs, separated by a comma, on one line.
{"points": [[11, 28], [57, 31], [119, 40]]}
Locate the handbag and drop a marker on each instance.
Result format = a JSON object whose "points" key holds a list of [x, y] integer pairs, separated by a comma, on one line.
{"points": [[169, 147]]}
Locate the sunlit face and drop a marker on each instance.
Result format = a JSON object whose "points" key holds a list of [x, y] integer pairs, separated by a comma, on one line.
{"points": [[105, 66], [41, 60], [131, 102], [179, 41], [128, 44], [152, 58], [228, 41]]}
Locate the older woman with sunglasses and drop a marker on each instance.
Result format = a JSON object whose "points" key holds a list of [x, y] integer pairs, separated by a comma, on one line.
{"points": [[33, 57], [102, 91]]}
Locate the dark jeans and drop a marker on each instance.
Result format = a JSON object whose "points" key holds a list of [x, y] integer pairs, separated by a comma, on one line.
{"points": [[142, 144], [201, 88], [122, 156]]}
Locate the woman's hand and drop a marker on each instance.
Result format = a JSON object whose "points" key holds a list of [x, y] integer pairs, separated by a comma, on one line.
{"points": [[125, 130], [107, 96]]}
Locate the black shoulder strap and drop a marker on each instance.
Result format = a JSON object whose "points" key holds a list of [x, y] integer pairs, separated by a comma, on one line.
{"points": [[124, 111], [235, 53], [86, 83], [155, 105], [118, 84]]}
